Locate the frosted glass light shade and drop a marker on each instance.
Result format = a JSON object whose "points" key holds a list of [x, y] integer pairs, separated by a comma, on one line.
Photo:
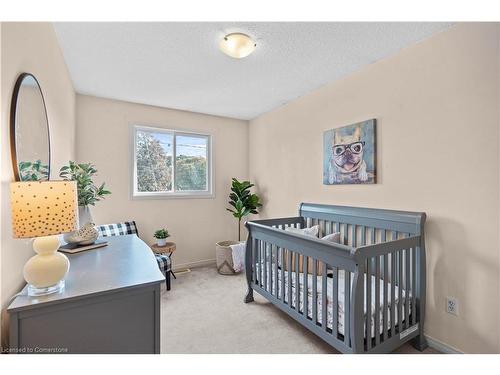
{"points": [[43, 208], [237, 45]]}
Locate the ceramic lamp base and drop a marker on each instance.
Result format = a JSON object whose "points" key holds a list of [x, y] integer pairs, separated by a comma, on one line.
{"points": [[34, 291], [45, 272]]}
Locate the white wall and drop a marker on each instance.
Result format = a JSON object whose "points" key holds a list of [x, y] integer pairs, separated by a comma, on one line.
{"points": [[103, 133], [1, 190], [498, 108], [436, 105], [33, 48]]}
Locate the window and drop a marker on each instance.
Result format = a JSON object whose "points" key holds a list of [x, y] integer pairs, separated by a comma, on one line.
{"points": [[171, 163]]}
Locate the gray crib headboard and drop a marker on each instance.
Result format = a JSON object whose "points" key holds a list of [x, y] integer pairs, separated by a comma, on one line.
{"points": [[399, 221]]}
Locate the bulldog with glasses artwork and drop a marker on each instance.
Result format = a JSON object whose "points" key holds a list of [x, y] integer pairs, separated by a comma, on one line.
{"points": [[349, 154]]}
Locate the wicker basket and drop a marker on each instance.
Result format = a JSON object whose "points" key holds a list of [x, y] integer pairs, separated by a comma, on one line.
{"points": [[224, 257]]}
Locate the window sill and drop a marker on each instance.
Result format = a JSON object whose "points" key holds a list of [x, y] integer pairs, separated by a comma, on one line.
{"points": [[204, 195]]}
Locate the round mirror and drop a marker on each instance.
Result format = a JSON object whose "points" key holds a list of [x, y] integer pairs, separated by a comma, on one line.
{"points": [[29, 131]]}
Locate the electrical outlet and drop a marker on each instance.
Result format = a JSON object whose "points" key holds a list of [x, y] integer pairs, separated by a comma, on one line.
{"points": [[452, 305]]}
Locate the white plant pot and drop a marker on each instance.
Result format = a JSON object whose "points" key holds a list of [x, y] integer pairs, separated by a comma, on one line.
{"points": [[161, 241], [84, 216], [86, 233]]}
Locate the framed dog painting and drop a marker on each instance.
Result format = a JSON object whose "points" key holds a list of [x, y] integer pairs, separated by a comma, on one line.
{"points": [[349, 155]]}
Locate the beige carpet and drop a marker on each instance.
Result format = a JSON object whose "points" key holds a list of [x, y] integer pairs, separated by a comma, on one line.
{"points": [[204, 313]]}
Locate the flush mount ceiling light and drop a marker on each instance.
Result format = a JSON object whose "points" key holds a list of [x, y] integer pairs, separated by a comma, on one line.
{"points": [[237, 45]]}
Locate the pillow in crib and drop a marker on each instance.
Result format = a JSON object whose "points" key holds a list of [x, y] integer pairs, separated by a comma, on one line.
{"points": [[334, 237], [313, 231]]}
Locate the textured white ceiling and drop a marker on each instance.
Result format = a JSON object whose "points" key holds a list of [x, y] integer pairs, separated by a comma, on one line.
{"points": [[179, 65]]}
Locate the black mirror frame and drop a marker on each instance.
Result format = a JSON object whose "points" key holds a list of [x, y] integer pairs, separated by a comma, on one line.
{"points": [[13, 108]]}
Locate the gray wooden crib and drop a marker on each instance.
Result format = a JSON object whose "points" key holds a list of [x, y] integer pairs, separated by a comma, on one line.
{"points": [[381, 259]]}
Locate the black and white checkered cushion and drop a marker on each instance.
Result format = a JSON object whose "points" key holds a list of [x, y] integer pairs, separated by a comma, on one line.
{"points": [[164, 262], [117, 229], [129, 227]]}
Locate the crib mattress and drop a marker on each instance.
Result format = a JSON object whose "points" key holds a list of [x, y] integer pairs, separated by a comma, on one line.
{"points": [[341, 298]]}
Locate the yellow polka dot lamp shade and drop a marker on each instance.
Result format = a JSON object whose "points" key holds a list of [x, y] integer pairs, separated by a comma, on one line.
{"points": [[43, 208]]}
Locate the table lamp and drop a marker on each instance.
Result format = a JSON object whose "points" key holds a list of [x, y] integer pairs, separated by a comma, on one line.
{"points": [[44, 209]]}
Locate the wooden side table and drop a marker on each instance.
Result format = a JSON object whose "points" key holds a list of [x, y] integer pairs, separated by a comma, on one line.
{"points": [[168, 249]]}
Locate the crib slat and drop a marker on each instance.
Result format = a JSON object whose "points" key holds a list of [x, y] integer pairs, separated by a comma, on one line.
{"points": [[344, 226], [395, 235], [413, 285], [372, 241], [347, 307], [305, 303], [407, 288], [335, 302], [377, 299], [275, 276], [315, 291], [383, 235], [254, 248], [385, 291], [270, 268], [324, 291], [259, 265], [324, 304], [289, 263], [384, 270], [368, 313], [363, 236], [297, 283], [393, 293], [282, 251], [395, 281], [264, 278], [353, 235], [382, 240], [400, 291]]}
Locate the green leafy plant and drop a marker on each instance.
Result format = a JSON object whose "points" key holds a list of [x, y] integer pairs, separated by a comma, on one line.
{"points": [[243, 202], [33, 171], [88, 192], [161, 234]]}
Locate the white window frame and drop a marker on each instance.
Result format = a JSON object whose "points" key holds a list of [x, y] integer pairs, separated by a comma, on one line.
{"points": [[209, 193]]}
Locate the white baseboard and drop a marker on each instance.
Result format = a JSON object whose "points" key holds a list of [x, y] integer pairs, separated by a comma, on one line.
{"points": [[200, 263], [441, 346]]}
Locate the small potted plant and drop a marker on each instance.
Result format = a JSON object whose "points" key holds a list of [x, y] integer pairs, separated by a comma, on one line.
{"points": [[161, 236]]}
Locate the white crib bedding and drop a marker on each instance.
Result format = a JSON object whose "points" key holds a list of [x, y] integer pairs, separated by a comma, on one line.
{"points": [[341, 298]]}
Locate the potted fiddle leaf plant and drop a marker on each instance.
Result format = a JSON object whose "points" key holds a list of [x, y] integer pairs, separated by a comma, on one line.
{"points": [[88, 193], [161, 236], [243, 203]]}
